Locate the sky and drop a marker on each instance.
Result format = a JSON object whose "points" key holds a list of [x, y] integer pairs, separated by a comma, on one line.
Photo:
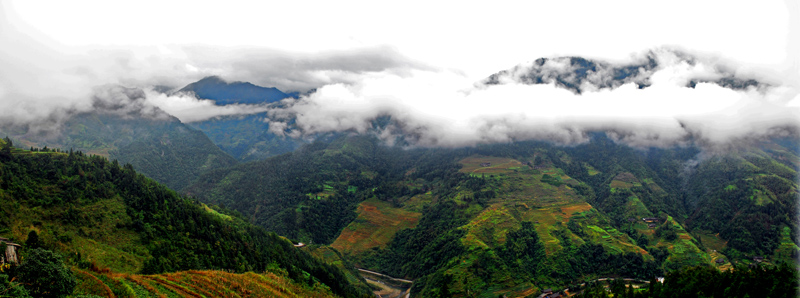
{"points": [[420, 63]]}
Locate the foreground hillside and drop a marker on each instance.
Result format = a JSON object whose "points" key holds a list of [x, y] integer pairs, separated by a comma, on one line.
{"points": [[102, 215], [516, 218], [194, 283]]}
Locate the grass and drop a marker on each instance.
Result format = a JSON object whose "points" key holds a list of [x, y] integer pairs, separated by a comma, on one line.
{"points": [[490, 227], [711, 241], [472, 165], [636, 208], [331, 256], [591, 170], [377, 222], [760, 198], [193, 283], [217, 214], [98, 238], [682, 251], [786, 248], [523, 196]]}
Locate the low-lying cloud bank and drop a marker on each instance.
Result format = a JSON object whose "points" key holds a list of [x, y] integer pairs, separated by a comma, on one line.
{"points": [[664, 97], [667, 98]]}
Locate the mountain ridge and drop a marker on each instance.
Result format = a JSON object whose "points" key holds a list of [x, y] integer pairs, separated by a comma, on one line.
{"points": [[224, 93]]}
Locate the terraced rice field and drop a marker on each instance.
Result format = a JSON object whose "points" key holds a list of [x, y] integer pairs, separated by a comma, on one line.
{"points": [[497, 165], [192, 284], [376, 224]]}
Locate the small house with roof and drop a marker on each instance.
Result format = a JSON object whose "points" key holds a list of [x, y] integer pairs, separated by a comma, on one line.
{"points": [[11, 252]]}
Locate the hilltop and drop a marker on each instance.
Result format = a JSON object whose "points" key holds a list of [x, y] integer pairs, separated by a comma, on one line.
{"points": [[223, 93]]}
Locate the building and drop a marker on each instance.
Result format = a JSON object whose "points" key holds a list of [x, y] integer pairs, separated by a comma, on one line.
{"points": [[11, 253], [720, 261], [486, 164], [651, 219]]}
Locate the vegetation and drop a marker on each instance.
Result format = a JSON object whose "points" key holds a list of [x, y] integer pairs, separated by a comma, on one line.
{"points": [[246, 138], [44, 274], [505, 219], [88, 209], [195, 283], [780, 281], [163, 149], [466, 209]]}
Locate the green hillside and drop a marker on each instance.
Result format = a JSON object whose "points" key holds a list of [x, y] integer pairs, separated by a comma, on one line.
{"points": [[246, 137], [161, 148], [105, 217], [516, 218], [194, 283]]}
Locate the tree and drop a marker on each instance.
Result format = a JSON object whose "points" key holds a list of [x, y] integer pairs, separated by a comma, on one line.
{"points": [[45, 275], [5, 147], [33, 241], [10, 288], [523, 249]]}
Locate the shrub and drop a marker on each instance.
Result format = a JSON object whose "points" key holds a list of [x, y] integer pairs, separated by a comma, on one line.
{"points": [[45, 275]]}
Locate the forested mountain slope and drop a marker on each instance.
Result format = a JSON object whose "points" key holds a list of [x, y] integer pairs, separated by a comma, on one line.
{"points": [[157, 145], [514, 218], [100, 214], [246, 137]]}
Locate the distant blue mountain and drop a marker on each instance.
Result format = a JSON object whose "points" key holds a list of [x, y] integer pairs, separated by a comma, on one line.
{"points": [[224, 93]]}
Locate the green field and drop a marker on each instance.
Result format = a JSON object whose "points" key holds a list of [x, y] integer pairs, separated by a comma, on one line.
{"points": [[376, 224]]}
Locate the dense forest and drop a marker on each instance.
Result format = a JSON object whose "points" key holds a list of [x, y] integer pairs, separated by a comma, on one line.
{"points": [[49, 194]]}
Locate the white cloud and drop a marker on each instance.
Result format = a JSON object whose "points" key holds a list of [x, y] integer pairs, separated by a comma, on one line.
{"points": [[444, 109], [416, 62], [188, 108]]}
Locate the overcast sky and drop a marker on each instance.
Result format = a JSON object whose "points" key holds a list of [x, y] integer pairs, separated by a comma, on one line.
{"points": [[418, 62]]}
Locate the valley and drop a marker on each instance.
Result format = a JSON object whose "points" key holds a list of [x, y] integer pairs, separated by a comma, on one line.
{"points": [[548, 149], [483, 221], [534, 217]]}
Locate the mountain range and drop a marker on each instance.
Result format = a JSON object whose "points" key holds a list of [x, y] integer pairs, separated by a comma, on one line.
{"points": [[130, 181]]}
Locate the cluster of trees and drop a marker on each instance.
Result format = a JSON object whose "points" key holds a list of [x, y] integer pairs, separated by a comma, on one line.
{"points": [[42, 274], [172, 153], [774, 282]]}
